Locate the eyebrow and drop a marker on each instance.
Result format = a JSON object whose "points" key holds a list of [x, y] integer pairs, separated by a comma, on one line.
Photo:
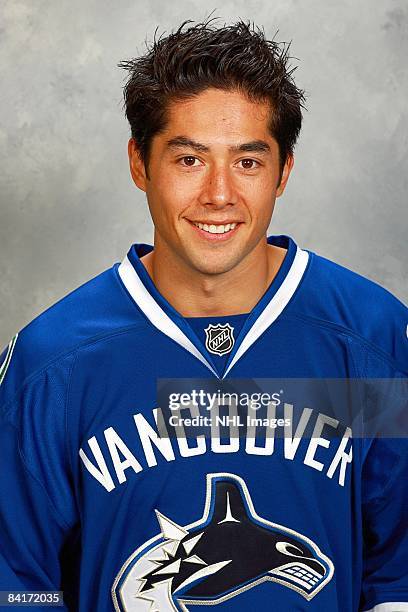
{"points": [[258, 146]]}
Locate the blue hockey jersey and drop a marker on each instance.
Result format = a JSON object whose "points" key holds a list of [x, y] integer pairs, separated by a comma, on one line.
{"points": [[98, 500]]}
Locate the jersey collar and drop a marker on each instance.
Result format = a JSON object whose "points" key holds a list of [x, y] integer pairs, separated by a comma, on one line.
{"points": [[169, 321]]}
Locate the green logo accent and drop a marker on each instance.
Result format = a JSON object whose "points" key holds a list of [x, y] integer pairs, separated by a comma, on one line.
{"points": [[6, 362]]}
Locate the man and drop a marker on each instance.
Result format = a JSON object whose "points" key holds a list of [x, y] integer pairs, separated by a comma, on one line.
{"points": [[100, 497]]}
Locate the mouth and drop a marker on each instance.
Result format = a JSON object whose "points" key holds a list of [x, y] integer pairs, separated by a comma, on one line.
{"points": [[216, 231], [303, 575]]}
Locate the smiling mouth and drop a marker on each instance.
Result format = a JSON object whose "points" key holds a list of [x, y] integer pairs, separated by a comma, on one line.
{"points": [[215, 230]]}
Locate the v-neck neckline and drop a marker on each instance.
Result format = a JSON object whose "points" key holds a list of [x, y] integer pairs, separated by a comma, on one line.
{"points": [[168, 320]]}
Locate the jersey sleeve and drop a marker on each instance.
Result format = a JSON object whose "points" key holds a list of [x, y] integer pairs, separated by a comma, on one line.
{"points": [[37, 509], [385, 525], [385, 489]]}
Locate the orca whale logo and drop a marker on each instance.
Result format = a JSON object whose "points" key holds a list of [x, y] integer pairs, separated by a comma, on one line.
{"points": [[229, 550]]}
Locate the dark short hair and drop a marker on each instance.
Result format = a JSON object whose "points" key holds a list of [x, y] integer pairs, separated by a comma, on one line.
{"points": [[189, 60]]}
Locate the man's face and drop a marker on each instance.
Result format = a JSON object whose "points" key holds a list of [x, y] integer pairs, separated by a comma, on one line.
{"points": [[213, 179]]}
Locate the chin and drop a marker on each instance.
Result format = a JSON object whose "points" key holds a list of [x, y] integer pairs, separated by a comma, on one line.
{"points": [[211, 260], [212, 267]]}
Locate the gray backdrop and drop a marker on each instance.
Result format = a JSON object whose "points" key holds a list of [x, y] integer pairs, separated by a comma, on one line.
{"points": [[69, 208]]}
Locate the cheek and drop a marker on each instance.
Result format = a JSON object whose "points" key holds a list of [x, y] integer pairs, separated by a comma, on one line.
{"points": [[260, 188], [261, 199], [166, 204], [176, 188]]}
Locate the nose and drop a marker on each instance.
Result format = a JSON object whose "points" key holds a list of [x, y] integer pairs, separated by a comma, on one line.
{"points": [[219, 189]]}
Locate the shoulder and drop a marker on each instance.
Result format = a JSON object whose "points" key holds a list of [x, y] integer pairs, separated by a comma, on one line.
{"points": [[340, 297], [98, 309]]}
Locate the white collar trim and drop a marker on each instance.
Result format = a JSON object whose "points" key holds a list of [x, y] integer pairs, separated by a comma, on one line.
{"points": [[273, 309], [165, 324], [154, 312]]}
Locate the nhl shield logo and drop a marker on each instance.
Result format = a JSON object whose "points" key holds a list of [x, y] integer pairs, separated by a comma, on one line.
{"points": [[219, 338]]}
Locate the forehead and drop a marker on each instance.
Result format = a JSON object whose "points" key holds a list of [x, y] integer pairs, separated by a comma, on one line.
{"points": [[219, 113]]}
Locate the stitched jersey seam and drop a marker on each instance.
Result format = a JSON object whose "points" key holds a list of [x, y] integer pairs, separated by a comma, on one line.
{"points": [[63, 355], [351, 333], [67, 446], [58, 516]]}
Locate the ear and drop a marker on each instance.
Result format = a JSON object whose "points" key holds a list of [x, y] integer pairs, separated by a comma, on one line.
{"points": [[287, 168], [136, 164]]}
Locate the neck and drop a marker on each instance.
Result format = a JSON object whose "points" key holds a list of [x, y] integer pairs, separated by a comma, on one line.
{"points": [[199, 295]]}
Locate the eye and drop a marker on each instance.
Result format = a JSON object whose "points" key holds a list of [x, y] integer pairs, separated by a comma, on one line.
{"points": [[248, 163], [284, 547], [188, 160]]}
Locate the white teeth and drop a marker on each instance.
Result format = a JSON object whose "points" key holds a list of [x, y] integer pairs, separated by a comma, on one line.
{"points": [[216, 229]]}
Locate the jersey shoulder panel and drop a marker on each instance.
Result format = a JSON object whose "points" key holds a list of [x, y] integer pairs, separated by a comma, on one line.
{"points": [[97, 309], [339, 297]]}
